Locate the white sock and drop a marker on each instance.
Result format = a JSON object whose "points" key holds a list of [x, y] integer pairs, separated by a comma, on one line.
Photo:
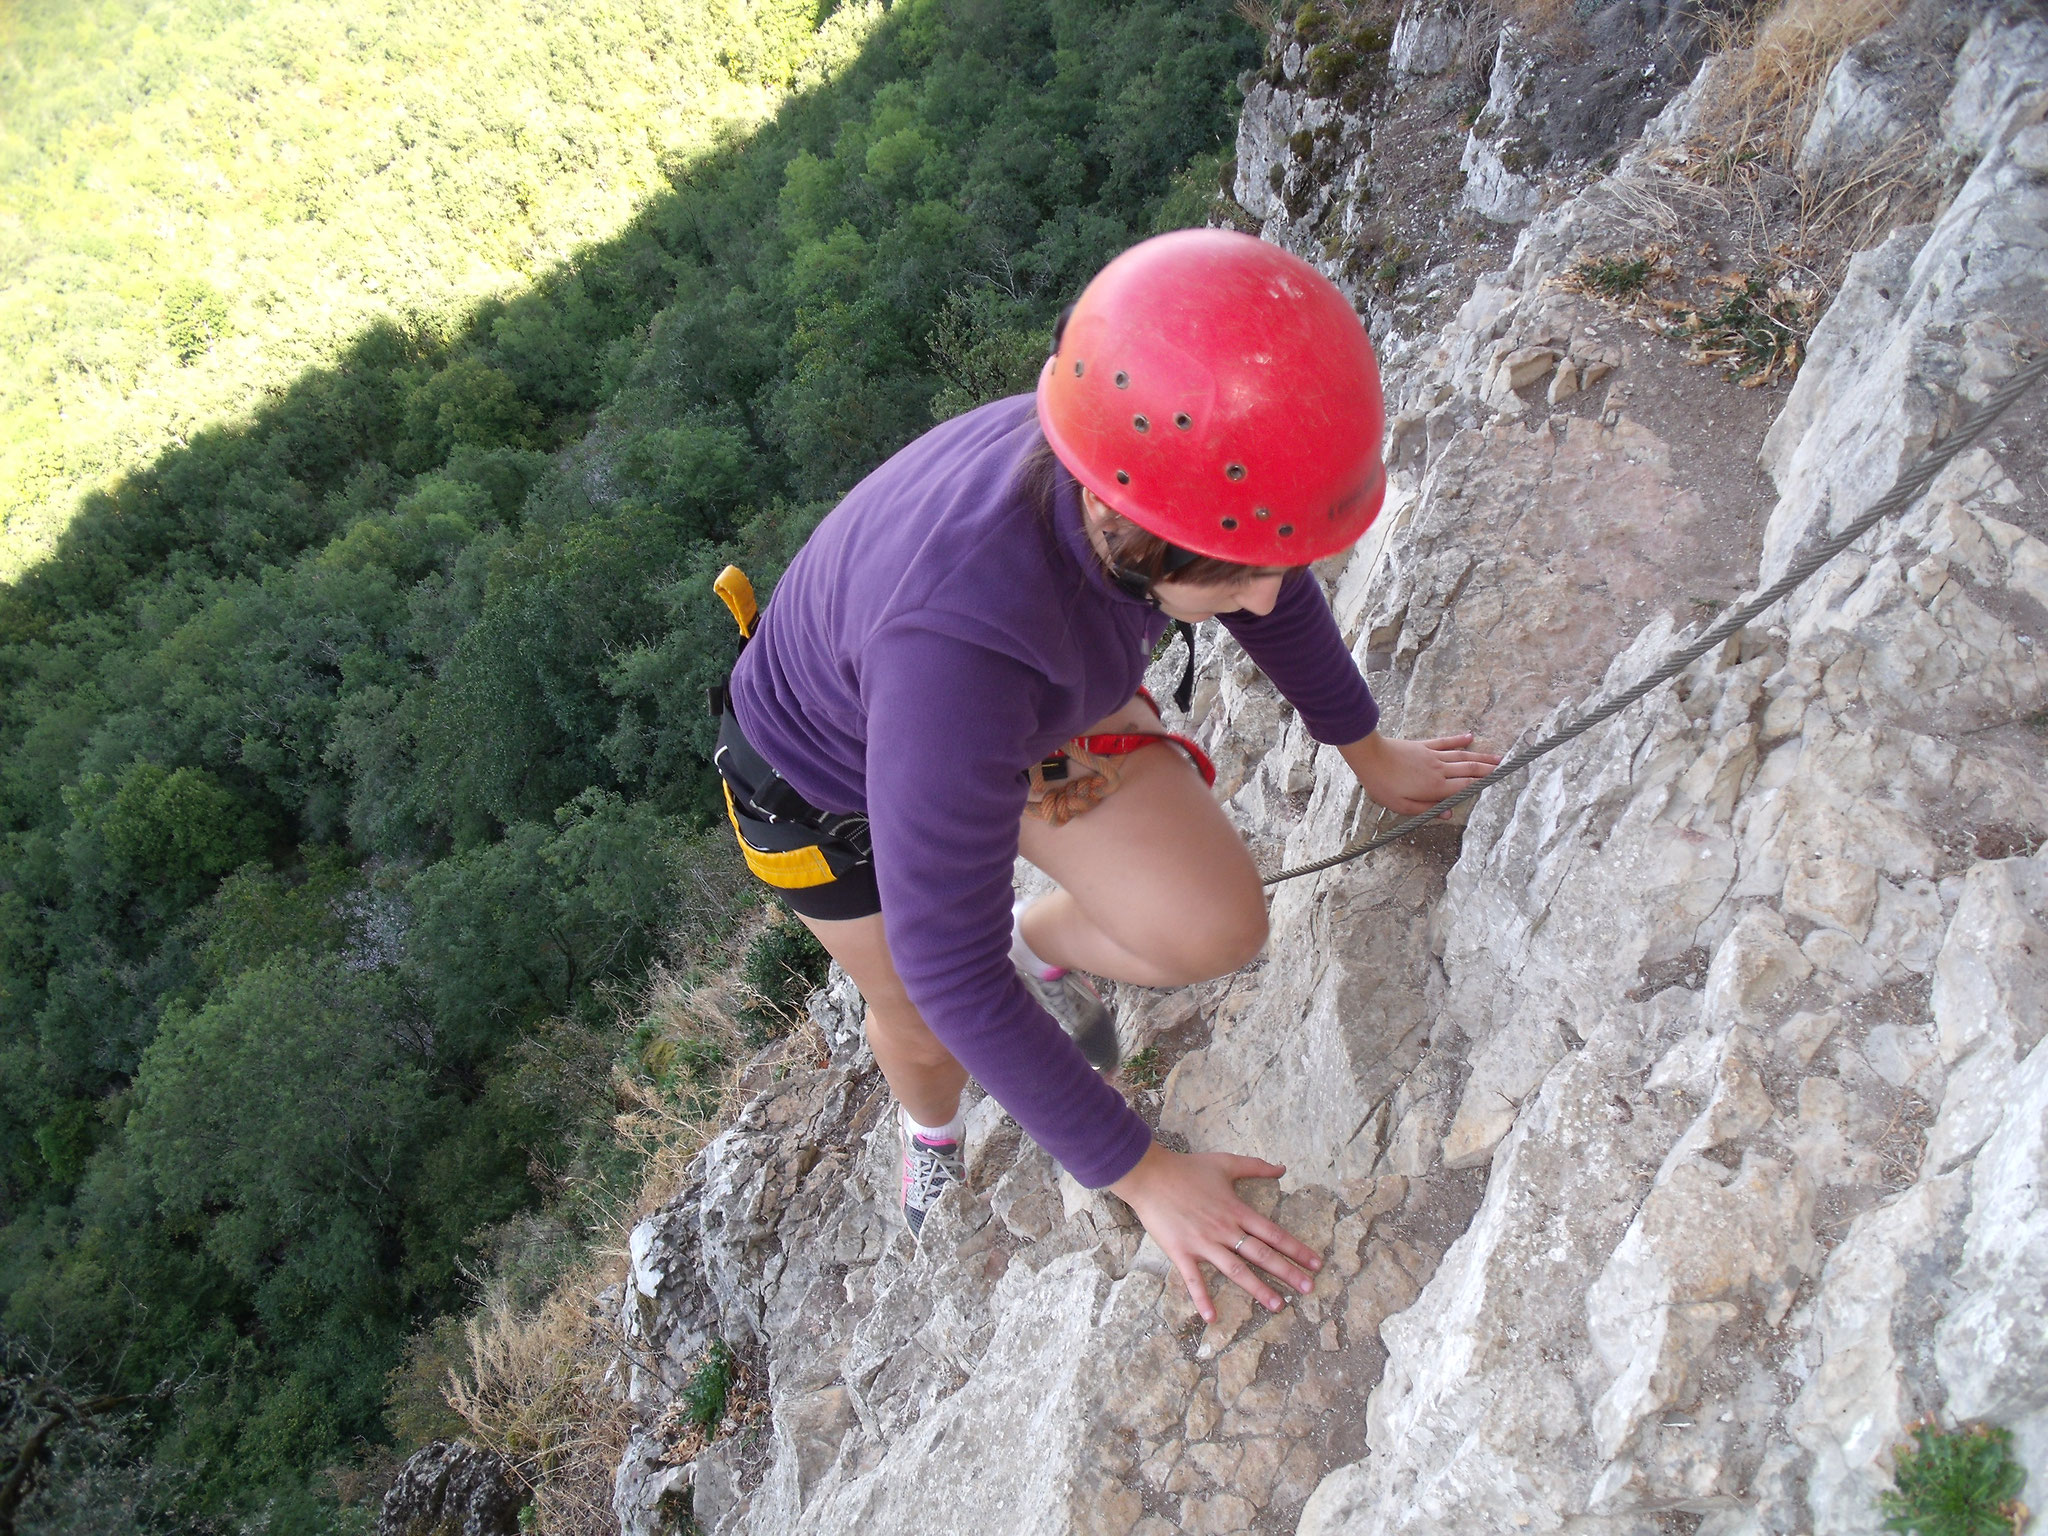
{"points": [[1021, 954], [952, 1130]]}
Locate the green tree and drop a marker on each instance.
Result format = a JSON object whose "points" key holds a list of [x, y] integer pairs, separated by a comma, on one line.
{"points": [[165, 826], [282, 1116], [468, 403], [528, 925], [195, 317]]}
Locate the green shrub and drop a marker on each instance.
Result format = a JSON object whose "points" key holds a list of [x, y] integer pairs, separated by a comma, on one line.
{"points": [[1144, 1069], [704, 1394], [783, 967], [1758, 332], [1956, 1483], [195, 316]]}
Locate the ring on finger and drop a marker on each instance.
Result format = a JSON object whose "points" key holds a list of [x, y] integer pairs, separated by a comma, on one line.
{"points": [[1238, 1246]]}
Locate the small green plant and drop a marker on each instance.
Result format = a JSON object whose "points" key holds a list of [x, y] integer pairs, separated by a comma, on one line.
{"points": [[195, 316], [1615, 277], [1144, 1070], [1956, 1483], [1758, 332], [705, 1393]]}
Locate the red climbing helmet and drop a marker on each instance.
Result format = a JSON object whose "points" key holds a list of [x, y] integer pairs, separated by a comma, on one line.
{"points": [[1222, 395]]}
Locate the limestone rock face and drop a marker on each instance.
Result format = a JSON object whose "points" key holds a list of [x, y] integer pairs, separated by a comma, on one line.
{"points": [[451, 1488], [1675, 1129], [1931, 320], [1882, 100]]}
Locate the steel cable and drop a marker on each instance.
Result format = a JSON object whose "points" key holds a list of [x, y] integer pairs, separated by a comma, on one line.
{"points": [[1905, 490]]}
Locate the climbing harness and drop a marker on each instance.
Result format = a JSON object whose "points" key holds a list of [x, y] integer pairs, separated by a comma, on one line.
{"points": [[1904, 492], [787, 842], [1058, 794]]}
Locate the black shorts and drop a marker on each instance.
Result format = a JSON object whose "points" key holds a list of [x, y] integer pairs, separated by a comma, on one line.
{"points": [[825, 873]]}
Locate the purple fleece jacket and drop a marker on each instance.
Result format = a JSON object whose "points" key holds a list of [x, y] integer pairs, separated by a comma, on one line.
{"points": [[936, 627]]}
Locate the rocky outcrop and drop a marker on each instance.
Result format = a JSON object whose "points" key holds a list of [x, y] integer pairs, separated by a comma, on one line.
{"points": [[1402, 160], [1675, 1129], [451, 1488]]}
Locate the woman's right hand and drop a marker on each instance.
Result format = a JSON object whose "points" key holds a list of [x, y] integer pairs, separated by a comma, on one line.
{"points": [[1188, 1201]]}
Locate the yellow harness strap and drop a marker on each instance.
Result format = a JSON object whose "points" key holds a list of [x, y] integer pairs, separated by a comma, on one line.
{"points": [[791, 871], [737, 593]]}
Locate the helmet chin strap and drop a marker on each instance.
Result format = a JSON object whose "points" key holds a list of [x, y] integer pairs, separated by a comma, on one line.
{"points": [[1139, 585]]}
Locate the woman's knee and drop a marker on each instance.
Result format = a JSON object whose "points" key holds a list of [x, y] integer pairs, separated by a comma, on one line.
{"points": [[904, 1034], [1213, 937]]}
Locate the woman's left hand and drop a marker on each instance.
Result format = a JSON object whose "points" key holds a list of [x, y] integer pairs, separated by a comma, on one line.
{"points": [[1411, 776]]}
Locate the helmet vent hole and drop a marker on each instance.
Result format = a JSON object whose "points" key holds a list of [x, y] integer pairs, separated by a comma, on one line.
{"points": [[1233, 471], [1183, 421], [1123, 380], [1262, 513], [1229, 524], [1123, 477], [1286, 530], [1079, 368], [1141, 424]]}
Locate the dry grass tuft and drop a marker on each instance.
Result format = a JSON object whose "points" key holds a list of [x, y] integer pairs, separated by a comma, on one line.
{"points": [[1554, 25], [545, 1390], [1766, 107], [1260, 15], [691, 1052], [544, 1384]]}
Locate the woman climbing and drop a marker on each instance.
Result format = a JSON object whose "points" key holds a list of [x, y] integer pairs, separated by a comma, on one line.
{"points": [[904, 722]]}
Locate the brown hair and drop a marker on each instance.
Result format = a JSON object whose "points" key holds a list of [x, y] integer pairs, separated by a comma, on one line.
{"points": [[1131, 549]]}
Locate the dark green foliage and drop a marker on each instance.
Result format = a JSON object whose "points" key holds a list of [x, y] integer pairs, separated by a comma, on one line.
{"points": [[157, 827], [783, 966], [1955, 1483], [353, 756], [704, 1394]]}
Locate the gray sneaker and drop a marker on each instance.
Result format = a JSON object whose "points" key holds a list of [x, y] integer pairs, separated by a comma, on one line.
{"points": [[1072, 999], [930, 1168]]}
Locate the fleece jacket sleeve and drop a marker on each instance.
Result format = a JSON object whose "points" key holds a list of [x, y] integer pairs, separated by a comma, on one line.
{"points": [[947, 729], [1298, 646]]}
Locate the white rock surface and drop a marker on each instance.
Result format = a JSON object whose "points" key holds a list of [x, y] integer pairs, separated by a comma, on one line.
{"points": [[1427, 38], [1496, 186]]}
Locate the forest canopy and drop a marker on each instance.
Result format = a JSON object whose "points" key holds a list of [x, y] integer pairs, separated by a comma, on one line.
{"points": [[205, 198], [352, 731]]}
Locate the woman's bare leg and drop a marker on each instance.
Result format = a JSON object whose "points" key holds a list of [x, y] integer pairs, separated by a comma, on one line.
{"points": [[922, 1073], [1155, 885]]}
